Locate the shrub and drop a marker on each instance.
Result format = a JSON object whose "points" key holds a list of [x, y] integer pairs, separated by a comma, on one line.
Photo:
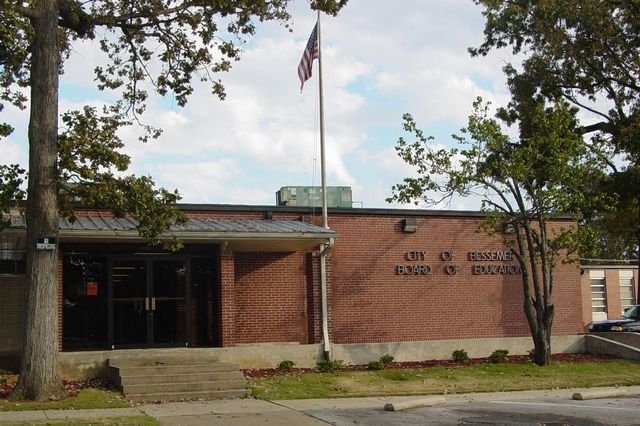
{"points": [[286, 365], [459, 355], [498, 356], [386, 359], [376, 365], [330, 366]]}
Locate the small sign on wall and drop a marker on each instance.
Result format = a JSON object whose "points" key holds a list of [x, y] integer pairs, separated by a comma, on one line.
{"points": [[92, 288], [46, 243]]}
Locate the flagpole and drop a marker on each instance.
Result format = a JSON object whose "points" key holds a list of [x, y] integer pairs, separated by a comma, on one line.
{"points": [[323, 178], [325, 248]]}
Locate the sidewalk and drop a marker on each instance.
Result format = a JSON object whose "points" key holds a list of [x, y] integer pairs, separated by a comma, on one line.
{"points": [[258, 412]]}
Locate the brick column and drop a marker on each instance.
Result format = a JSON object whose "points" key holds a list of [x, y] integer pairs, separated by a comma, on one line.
{"points": [[314, 318], [585, 282], [60, 300], [614, 305], [227, 298]]}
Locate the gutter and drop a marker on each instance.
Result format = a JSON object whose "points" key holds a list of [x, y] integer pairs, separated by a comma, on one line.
{"points": [[324, 250]]}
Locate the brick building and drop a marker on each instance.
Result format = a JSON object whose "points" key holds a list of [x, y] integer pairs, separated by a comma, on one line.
{"points": [[608, 290], [247, 286]]}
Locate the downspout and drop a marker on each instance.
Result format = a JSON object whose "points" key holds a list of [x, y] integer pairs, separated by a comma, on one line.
{"points": [[324, 250]]}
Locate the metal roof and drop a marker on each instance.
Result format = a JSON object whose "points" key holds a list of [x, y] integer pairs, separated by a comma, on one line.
{"points": [[237, 234], [100, 223]]}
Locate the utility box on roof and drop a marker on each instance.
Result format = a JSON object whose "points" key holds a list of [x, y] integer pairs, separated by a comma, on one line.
{"points": [[311, 196]]}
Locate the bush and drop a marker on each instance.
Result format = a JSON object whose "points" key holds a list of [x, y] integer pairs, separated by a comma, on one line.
{"points": [[459, 355], [376, 365], [286, 365], [330, 366], [498, 356], [386, 359]]}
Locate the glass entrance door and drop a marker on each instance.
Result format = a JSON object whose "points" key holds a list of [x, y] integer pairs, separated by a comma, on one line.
{"points": [[168, 302], [130, 303], [149, 302]]}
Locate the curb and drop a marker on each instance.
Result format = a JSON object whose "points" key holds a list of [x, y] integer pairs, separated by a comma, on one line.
{"points": [[599, 393], [415, 403]]}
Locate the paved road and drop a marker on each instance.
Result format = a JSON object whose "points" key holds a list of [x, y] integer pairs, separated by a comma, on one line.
{"points": [[545, 411], [551, 408]]}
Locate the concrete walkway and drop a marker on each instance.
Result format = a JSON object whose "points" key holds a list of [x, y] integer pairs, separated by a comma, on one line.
{"points": [[257, 412]]}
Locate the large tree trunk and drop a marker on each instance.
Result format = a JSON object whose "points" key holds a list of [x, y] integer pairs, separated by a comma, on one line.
{"points": [[542, 346], [39, 374], [540, 320]]}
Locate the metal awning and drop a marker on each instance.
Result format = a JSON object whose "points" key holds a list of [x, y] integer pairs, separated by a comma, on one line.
{"points": [[235, 234]]}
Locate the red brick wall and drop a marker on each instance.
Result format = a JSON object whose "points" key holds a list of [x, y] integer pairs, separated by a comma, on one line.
{"points": [[612, 287], [60, 300], [270, 297], [228, 297], [371, 303]]}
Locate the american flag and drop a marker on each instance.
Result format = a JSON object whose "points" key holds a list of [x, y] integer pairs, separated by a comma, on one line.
{"points": [[310, 53]]}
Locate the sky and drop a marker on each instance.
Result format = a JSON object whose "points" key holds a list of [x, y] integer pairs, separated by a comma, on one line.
{"points": [[381, 59]]}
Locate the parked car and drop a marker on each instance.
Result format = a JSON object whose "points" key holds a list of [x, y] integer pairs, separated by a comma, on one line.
{"points": [[630, 321]]}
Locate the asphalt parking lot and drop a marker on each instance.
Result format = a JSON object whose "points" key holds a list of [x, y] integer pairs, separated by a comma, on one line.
{"points": [[536, 411]]}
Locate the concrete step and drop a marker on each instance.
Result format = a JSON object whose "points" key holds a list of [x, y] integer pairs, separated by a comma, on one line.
{"points": [[184, 396], [151, 388], [157, 361], [169, 379], [147, 361], [182, 378], [175, 369]]}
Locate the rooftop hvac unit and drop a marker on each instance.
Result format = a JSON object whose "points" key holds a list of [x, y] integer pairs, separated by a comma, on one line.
{"points": [[311, 196]]}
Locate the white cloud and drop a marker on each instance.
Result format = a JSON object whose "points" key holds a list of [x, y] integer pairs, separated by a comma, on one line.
{"points": [[380, 59], [198, 181], [12, 153]]}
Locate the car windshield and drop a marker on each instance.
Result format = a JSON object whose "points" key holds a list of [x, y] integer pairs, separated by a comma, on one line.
{"points": [[632, 313]]}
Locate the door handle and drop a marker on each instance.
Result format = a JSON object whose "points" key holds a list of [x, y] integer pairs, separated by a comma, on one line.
{"points": [[153, 303], [146, 303]]}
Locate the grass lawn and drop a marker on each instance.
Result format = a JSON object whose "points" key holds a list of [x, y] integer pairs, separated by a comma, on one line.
{"points": [[451, 379], [86, 399]]}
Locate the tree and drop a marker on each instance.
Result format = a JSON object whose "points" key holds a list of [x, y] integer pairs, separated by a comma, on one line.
{"points": [[523, 184], [163, 43], [588, 53]]}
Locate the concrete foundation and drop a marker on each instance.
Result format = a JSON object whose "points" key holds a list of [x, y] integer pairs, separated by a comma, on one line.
{"points": [[442, 349], [77, 365], [598, 344]]}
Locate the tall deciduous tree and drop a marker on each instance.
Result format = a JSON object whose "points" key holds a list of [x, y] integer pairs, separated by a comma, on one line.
{"points": [[160, 43], [588, 53], [523, 183]]}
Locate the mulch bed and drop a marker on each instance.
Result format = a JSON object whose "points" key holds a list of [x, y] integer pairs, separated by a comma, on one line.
{"points": [[513, 359]]}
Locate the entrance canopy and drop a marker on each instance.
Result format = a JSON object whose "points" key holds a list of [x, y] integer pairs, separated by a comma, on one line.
{"points": [[241, 235]]}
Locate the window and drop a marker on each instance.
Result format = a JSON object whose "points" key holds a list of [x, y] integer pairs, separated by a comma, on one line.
{"points": [[627, 295], [11, 255], [598, 294]]}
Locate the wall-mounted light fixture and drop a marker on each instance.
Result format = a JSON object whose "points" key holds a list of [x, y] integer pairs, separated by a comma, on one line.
{"points": [[409, 225], [508, 228]]}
